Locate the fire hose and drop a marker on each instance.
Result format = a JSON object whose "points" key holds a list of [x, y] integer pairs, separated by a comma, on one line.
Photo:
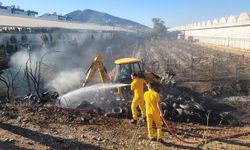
{"points": [[173, 134], [196, 142]]}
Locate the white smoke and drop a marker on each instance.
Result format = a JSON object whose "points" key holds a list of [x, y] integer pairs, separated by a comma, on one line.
{"points": [[19, 59], [66, 81], [62, 60], [61, 71]]}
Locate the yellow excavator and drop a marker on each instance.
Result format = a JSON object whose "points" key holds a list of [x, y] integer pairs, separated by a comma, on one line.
{"points": [[97, 66], [123, 69]]}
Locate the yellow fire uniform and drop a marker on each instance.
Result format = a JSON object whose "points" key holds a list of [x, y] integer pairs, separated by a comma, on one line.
{"points": [[137, 86], [151, 98]]}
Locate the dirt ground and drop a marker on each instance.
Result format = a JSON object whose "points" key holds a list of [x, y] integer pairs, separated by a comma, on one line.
{"points": [[56, 128]]}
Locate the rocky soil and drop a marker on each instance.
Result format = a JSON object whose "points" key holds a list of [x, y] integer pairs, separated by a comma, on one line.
{"points": [[47, 127]]}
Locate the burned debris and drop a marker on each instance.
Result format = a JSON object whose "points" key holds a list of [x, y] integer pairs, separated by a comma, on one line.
{"points": [[182, 100]]}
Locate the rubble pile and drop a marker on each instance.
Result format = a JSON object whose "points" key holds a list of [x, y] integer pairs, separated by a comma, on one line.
{"points": [[179, 105], [33, 99], [59, 128]]}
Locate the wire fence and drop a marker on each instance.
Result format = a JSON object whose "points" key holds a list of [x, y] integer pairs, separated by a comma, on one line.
{"points": [[212, 68], [242, 43]]}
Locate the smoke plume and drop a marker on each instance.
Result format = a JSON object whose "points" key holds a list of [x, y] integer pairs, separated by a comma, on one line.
{"points": [[64, 57]]}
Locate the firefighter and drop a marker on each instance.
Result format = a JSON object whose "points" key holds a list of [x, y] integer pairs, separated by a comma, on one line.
{"points": [[137, 86], [153, 112]]}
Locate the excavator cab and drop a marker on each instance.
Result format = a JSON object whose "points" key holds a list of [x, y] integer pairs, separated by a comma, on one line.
{"points": [[123, 70], [125, 67]]}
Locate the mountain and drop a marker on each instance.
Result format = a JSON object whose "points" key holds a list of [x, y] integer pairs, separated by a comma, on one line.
{"points": [[91, 16]]}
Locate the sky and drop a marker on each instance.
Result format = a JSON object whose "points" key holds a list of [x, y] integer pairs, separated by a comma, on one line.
{"points": [[173, 12]]}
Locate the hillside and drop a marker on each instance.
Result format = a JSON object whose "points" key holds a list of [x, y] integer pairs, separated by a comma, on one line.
{"points": [[91, 16]]}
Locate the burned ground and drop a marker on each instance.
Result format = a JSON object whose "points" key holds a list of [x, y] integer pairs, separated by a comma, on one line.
{"points": [[208, 82], [56, 128], [206, 75]]}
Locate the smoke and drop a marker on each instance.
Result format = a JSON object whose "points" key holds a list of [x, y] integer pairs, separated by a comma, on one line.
{"points": [[19, 59], [65, 56], [66, 81], [61, 62]]}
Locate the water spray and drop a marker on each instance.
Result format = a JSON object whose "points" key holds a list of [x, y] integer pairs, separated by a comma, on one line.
{"points": [[76, 97]]}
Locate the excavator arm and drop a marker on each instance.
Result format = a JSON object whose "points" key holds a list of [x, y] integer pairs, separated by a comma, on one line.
{"points": [[97, 66]]}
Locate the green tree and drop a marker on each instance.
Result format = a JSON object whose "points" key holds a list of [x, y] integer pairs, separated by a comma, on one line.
{"points": [[159, 28]]}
